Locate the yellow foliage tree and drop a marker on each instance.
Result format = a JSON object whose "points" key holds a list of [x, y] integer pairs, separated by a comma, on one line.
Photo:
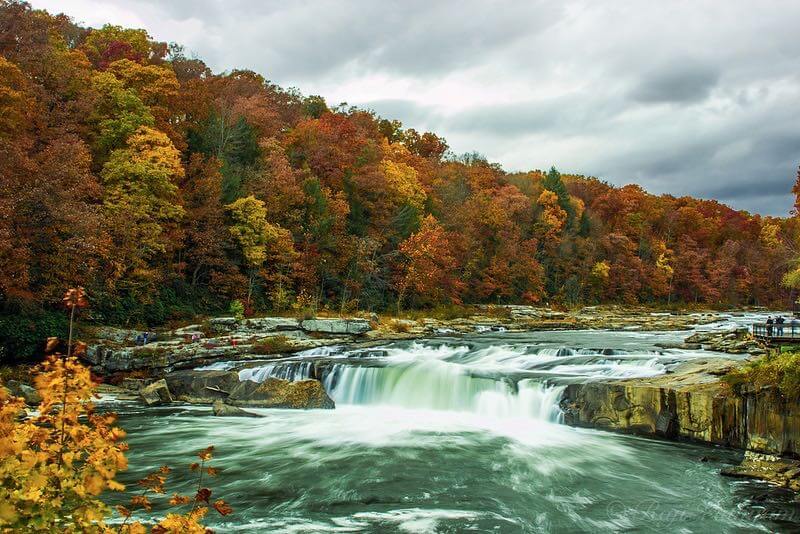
{"points": [[255, 236], [553, 217]]}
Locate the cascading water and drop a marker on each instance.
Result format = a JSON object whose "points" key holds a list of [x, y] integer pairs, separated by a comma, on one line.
{"points": [[292, 371], [441, 385]]}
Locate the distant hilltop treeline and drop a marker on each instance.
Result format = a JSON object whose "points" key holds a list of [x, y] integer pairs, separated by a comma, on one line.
{"points": [[168, 190]]}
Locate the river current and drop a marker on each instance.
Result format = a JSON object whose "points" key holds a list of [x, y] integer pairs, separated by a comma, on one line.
{"points": [[456, 435]]}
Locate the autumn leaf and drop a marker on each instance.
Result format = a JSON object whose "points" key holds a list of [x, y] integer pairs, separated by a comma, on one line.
{"points": [[123, 511], [177, 500], [205, 454], [222, 507], [203, 495], [142, 501]]}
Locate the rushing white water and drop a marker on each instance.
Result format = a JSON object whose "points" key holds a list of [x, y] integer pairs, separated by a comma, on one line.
{"points": [[287, 371]]}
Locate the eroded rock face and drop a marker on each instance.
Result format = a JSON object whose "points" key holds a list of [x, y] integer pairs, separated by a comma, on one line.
{"points": [[277, 393], [210, 386], [690, 403], [337, 326], [202, 387], [156, 393]]}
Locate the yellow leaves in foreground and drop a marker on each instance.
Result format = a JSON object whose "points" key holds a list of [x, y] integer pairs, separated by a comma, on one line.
{"points": [[57, 461]]}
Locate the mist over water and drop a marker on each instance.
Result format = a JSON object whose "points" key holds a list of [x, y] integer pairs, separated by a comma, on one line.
{"points": [[453, 435]]}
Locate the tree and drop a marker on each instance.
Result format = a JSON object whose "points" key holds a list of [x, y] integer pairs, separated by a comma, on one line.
{"points": [[429, 270], [141, 200], [255, 236], [552, 182]]}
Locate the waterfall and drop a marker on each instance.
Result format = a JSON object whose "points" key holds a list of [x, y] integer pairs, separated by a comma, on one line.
{"points": [[287, 371], [441, 385]]}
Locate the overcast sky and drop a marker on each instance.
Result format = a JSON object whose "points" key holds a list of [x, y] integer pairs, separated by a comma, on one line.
{"points": [[683, 97]]}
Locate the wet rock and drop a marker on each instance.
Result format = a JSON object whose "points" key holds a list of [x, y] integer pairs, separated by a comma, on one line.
{"points": [[202, 387], [277, 393], [692, 402], [738, 341], [156, 393], [681, 346], [136, 384], [221, 409], [28, 393], [783, 472], [337, 326]]}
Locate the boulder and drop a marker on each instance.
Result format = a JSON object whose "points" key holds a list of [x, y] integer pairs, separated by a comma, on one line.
{"points": [[116, 335], [221, 409], [18, 389], [277, 393], [155, 393], [337, 326], [202, 386]]}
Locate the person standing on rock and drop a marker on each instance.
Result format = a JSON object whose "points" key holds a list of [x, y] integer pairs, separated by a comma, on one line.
{"points": [[769, 326]]}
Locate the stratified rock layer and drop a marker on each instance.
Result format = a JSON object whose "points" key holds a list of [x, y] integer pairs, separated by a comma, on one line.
{"points": [[690, 403], [210, 386]]}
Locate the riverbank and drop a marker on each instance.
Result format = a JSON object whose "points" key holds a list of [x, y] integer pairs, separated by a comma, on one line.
{"points": [[115, 350]]}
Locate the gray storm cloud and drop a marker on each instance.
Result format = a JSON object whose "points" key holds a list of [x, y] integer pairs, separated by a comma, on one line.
{"points": [[693, 98]]}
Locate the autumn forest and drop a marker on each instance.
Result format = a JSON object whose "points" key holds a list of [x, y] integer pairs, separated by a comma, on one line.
{"points": [[166, 190]]}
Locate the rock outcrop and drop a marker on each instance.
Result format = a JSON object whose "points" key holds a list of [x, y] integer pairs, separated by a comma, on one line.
{"points": [[156, 393], [337, 326], [277, 393], [738, 341], [690, 403], [207, 387], [783, 472], [221, 409]]}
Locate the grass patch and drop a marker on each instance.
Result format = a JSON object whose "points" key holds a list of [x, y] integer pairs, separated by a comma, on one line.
{"points": [[400, 326], [272, 345], [776, 370]]}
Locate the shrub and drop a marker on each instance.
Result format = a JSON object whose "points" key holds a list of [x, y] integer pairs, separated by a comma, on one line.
{"points": [[778, 370], [237, 309]]}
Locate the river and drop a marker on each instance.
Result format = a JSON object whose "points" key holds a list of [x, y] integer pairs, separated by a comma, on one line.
{"points": [[454, 435]]}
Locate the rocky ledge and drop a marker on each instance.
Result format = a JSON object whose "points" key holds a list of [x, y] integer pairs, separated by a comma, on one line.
{"points": [[221, 338], [226, 393], [693, 403], [227, 338]]}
